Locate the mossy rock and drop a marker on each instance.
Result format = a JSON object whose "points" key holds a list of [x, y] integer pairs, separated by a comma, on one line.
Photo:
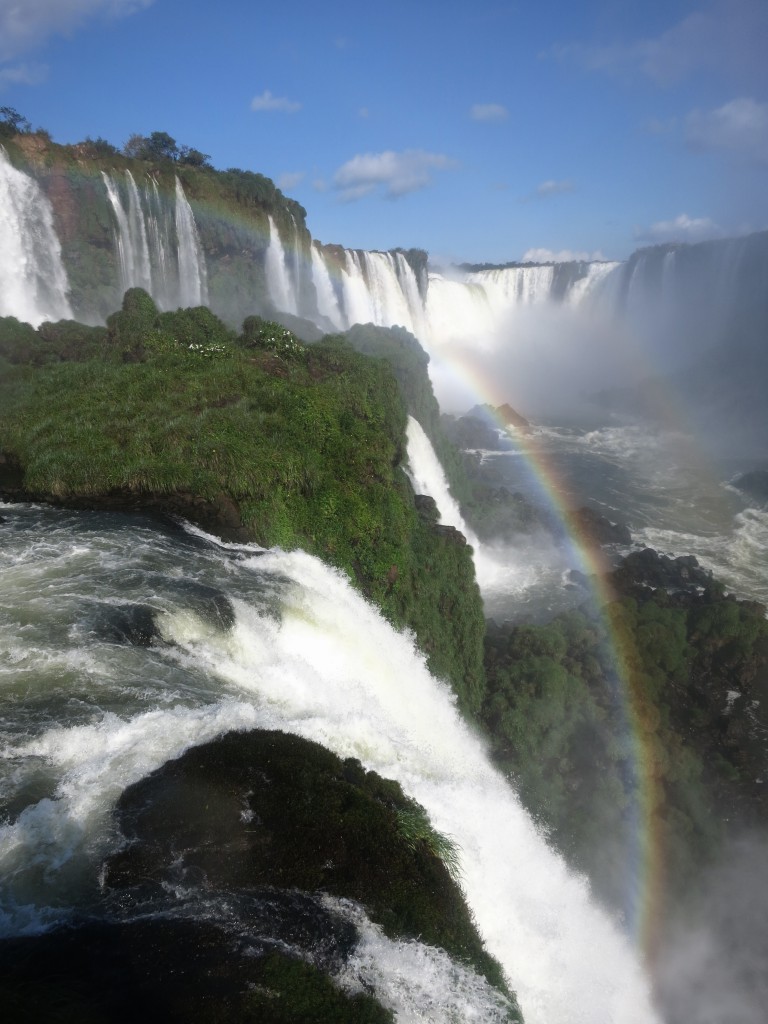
{"points": [[165, 970], [268, 808]]}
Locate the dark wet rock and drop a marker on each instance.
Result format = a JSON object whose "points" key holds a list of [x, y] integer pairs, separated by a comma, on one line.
{"points": [[450, 533], [427, 508], [472, 432], [754, 484], [216, 909], [511, 418], [269, 809], [126, 624], [483, 427], [594, 528], [649, 568], [213, 606], [167, 970], [578, 579]]}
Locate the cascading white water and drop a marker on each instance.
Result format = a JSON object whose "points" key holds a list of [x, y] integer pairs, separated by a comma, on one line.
{"points": [[327, 301], [157, 243], [427, 477], [193, 280], [281, 291], [33, 281], [356, 297], [305, 654], [502, 569], [158, 231], [374, 287], [514, 286], [295, 262], [138, 242]]}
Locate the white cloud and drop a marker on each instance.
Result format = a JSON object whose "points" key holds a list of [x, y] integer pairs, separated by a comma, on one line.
{"points": [[740, 126], [724, 36], [25, 24], [290, 179], [23, 74], [488, 112], [553, 188], [269, 102], [396, 173], [363, 112], [559, 256], [681, 229]]}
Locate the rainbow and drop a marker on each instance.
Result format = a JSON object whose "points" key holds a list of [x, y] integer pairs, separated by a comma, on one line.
{"points": [[645, 862]]}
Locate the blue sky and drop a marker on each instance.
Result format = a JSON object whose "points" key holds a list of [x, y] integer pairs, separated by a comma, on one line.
{"points": [[484, 131]]}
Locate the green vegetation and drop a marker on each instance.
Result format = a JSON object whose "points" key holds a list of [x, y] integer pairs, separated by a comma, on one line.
{"points": [[323, 825], [161, 146], [275, 824], [257, 436], [12, 123], [409, 363], [168, 970], [569, 717]]}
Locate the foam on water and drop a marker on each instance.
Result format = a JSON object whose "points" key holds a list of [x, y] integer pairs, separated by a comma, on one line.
{"points": [[308, 655], [417, 982]]}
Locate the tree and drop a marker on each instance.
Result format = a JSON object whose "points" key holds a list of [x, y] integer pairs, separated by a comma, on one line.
{"points": [[135, 147], [157, 146], [12, 123], [161, 146], [193, 157]]}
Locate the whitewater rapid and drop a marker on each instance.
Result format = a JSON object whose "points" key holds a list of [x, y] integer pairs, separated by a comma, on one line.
{"points": [[305, 654]]}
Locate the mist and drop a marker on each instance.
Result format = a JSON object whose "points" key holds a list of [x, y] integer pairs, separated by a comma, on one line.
{"points": [[712, 968]]}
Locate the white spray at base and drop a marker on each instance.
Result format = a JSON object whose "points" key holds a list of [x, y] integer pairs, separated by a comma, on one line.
{"points": [[418, 983], [499, 569], [332, 670], [305, 654]]}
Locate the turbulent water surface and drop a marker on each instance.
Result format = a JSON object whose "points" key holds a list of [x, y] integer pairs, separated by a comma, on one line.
{"points": [[670, 494], [247, 639]]}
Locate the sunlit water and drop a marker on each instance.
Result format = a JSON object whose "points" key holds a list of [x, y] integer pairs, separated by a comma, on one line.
{"points": [[86, 715], [659, 484]]}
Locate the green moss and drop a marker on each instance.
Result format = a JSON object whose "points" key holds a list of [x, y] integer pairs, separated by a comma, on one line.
{"points": [[323, 824], [301, 446], [568, 717]]}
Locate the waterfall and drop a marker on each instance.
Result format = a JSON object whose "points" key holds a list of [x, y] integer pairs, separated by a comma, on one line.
{"points": [[296, 263], [305, 654], [138, 244], [158, 247], [281, 291], [327, 300], [428, 477], [193, 282], [356, 296], [158, 230], [33, 281]]}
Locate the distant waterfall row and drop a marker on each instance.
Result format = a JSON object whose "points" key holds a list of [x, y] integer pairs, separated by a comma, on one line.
{"points": [[677, 299], [157, 243], [354, 286]]}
